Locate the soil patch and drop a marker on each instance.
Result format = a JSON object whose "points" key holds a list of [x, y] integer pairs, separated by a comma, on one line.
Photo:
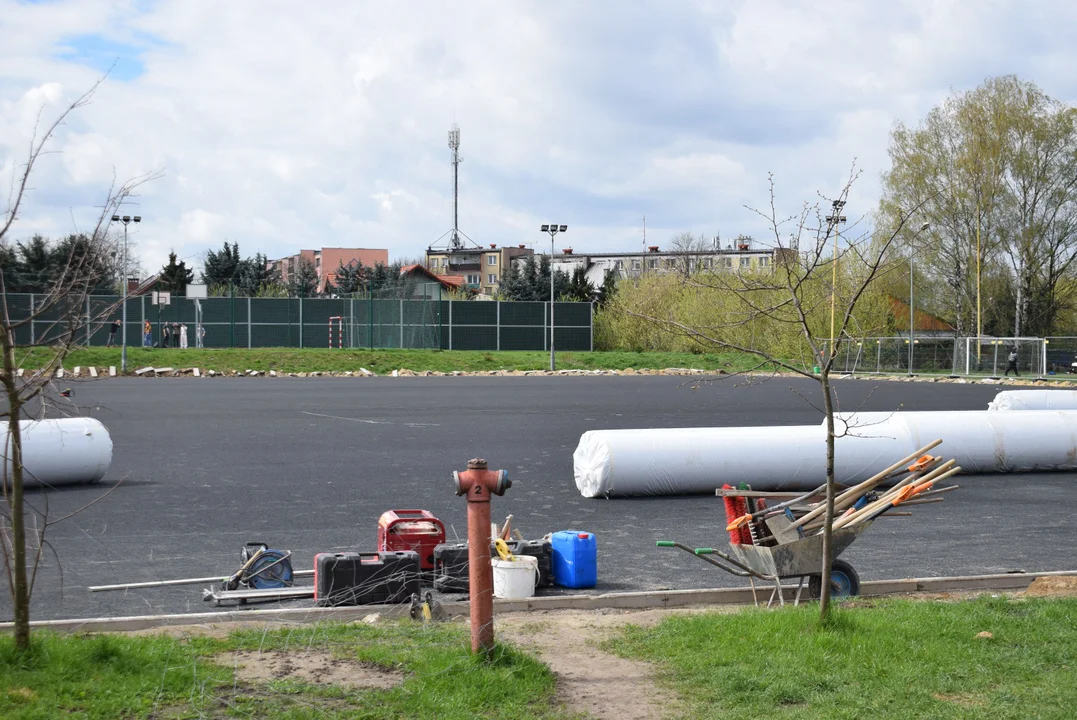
{"points": [[1053, 586], [314, 667], [590, 680]]}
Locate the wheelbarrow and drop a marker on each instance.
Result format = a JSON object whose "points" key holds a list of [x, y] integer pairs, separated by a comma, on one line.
{"points": [[798, 560]]}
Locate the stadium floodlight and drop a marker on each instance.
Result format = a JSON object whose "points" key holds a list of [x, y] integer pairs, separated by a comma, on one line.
{"points": [[552, 229]]}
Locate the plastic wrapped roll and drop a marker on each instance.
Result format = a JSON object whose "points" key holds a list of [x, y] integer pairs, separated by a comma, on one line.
{"points": [[609, 463], [1034, 400], [61, 452]]}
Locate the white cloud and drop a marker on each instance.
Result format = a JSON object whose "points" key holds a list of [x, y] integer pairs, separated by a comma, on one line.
{"points": [[283, 128]]}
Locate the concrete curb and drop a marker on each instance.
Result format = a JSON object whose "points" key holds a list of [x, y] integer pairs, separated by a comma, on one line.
{"points": [[622, 601]]}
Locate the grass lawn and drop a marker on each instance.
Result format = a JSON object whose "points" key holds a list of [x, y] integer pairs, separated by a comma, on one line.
{"points": [[122, 676], [384, 361], [877, 659]]}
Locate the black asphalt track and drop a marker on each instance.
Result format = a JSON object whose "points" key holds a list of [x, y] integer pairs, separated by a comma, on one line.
{"points": [[308, 464]]}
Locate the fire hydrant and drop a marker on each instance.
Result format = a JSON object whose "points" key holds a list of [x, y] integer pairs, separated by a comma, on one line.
{"points": [[479, 483]]}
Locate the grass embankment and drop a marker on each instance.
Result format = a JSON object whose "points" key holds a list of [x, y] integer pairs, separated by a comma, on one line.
{"points": [[113, 676], [382, 361], [890, 659]]}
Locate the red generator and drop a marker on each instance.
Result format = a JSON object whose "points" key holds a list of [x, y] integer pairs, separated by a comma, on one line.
{"points": [[416, 530]]}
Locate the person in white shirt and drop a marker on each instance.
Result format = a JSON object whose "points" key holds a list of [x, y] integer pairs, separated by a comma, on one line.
{"points": [[183, 336]]}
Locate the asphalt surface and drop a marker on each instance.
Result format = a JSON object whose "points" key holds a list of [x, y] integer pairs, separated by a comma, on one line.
{"points": [[310, 464]]}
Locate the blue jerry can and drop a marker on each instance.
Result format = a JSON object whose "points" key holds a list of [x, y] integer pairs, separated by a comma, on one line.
{"points": [[575, 559]]}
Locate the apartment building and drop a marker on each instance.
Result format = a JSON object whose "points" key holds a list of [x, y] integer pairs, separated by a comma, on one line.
{"points": [[326, 261], [744, 256], [480, 267]]}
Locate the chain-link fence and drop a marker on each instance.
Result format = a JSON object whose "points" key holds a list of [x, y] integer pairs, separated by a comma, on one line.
{"points": [[984, 356], [421, 320]]}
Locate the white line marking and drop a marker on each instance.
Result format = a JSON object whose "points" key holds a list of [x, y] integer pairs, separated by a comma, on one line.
{"points": [[368, 422]]}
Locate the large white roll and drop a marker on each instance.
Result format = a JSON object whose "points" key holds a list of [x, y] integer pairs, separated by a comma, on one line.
{"points": [[1034, 400], [61, 452], [700, 460]]}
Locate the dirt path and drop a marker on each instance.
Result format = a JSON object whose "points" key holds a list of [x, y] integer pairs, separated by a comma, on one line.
{"points": [[590, 680]]}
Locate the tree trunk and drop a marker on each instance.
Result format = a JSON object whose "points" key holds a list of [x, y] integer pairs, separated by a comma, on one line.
{"points": [[20, 590], [828, 517]]}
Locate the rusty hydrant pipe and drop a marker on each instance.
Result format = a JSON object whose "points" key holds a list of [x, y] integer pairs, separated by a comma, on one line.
{"points": [[478, 483]]}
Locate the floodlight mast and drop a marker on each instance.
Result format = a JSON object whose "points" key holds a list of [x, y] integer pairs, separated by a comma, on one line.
{"points": [[552, 229], [454, 145], [126, 220]]}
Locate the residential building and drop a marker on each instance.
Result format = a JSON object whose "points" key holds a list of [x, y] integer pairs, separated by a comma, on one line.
{"points": [[744, 256], [327, 260], [427, 281], [480, 267]]}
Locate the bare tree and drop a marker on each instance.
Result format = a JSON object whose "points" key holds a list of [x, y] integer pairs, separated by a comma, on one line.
{"points": [[815, 284], [687, 250], [64, 312]]}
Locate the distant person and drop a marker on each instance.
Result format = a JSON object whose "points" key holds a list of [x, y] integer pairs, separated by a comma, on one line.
{"points": [[200, 336], [183, 336], [175, 335], [1011, 363], [166, 335], [147, 334], [113, 329]]}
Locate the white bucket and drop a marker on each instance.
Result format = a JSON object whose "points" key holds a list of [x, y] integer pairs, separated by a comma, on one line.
{"points": [[515, 578]]}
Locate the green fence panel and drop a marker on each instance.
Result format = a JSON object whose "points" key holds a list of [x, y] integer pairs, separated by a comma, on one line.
{"points": [[420, 320]]}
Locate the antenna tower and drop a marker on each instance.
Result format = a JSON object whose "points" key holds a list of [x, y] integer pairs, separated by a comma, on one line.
{"points": [[454, 145]]}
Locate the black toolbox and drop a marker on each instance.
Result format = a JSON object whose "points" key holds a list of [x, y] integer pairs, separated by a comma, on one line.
{"points": [[451, 563], [379, 578]]}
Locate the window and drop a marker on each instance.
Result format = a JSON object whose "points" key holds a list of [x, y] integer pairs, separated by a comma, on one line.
{"points": [[491, 279], [473, 279], [729, 262], [652, 264], [636, 265], [764, 261], [491, 260], [745, 262]]}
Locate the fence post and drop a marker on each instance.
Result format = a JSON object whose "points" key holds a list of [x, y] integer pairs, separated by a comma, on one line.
{"points": [[142, 326], [592, 324], [1043, 356], [87, 321], [450, 323], [878, 356], [968, 355], [498, 324], [232, 294], [370, 319], [300, 322], [545, 326], [33, 334], [401, 317], [248, 323]]}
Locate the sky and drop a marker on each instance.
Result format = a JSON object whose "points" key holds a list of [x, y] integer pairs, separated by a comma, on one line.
{"points": [[281, 125]]}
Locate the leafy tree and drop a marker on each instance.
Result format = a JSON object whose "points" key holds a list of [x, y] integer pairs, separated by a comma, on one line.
{"points": [[580, 289], [609, 287], [351, 278], [36, 265], [175, 276], [253, 275], [304, 281], [221, 267], [532, 279], [381, 279], [79, 253], [512, 283], [995, 169]]}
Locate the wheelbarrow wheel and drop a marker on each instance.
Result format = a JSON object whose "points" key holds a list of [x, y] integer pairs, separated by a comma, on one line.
{"points": [[844, 582]]}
